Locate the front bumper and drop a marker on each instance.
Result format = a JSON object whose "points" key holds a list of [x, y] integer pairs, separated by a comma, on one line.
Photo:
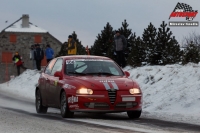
{"points": [[102, 101]]}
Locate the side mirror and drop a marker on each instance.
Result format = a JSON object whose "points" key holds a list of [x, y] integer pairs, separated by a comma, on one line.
{"points": [[58, 74], [127, 74]]}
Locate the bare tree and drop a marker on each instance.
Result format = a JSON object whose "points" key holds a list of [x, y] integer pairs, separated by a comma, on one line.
{"points": [[192, 38]]}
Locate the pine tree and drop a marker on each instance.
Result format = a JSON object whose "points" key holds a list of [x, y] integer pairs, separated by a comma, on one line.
{"points": [[172, 52], [96, 48], [136, 56], [168, 50], [103, 44], [131, 49], [80, 47], [149, 41], [191, 54], [63, 50]]}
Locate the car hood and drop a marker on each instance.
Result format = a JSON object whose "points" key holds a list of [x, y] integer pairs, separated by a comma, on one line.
{"points": [[105, 83]]}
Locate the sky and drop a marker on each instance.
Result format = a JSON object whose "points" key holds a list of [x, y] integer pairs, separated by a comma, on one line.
{"points": [[170, 92], [88, 17]]}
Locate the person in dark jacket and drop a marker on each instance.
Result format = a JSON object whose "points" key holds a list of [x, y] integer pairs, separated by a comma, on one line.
{"points": [[49, 53], [120, 45], [18, 62], [38, 56]]}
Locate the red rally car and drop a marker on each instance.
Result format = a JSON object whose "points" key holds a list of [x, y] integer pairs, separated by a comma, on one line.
{"points": [[87, 83]]}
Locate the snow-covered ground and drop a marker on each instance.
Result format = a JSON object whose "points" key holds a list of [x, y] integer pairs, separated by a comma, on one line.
{"points": [[170, 92]]}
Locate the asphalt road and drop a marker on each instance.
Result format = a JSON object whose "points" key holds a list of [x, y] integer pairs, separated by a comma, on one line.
{"points": [[18, 115]]}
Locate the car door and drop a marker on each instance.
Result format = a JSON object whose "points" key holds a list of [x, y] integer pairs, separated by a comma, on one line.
{"points": [[54, 89], [46, 81]]}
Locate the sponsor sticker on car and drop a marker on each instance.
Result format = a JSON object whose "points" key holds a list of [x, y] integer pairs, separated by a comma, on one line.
{"points": [[74, 106], [69, 86], [72, 99]]}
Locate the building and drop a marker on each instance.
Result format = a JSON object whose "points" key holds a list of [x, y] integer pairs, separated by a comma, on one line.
{"points": [[18, 37]]}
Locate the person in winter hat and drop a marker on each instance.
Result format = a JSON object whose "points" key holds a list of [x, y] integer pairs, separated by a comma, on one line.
{"points": [[120, 45], [38, 56], [49, 53], [18, 62], [71, 47]]}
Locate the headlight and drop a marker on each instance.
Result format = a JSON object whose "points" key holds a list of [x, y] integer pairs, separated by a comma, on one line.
{"points": [[84, 91], [135, 91]]}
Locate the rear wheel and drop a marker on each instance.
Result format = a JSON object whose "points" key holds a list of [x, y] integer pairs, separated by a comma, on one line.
{"points": [[38, 103], [64, 109], [134, 114]]}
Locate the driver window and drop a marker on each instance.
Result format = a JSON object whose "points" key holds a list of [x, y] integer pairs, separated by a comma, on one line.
{"points": [[49, 67], [57, 66]]}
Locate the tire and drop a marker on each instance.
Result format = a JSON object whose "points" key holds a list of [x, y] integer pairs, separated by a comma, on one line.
{"points": [[38, 104], [134, 114], [64, 109]]}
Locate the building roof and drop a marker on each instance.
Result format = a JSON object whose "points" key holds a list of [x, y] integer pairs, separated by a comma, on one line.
{"points": [[17, 27]]}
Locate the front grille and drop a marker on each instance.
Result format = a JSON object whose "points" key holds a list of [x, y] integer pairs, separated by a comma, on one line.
{"points": [[112, 95], [97, 105], [125, 105]]}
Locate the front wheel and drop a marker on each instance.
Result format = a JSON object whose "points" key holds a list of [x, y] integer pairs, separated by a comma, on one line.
{"points": [[38, 103], [64, 109], [134, 114]]}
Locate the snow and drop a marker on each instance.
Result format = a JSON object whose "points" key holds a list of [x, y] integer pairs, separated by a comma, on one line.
{"points": [[17, 27], [23, 85], [170, 92]]}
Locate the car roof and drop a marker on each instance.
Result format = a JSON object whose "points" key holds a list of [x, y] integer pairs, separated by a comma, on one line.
{"points": [[71, 57]]}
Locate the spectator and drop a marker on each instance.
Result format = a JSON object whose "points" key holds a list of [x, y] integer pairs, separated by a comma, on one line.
{"points": [[18, 62], [38, 56], [71, 47], [120, 45], [32, 56], [49, 53]]}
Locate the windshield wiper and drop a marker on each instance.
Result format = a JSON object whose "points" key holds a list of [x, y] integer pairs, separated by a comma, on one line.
{"points": [[76, 73], [106, 73], [101, 73]]}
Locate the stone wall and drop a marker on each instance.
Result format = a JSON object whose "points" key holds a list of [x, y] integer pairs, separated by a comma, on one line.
{"points": [[23, 44]]}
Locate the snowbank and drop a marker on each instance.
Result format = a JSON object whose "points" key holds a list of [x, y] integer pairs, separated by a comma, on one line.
{"points": [[170, 92], [23, 85]]}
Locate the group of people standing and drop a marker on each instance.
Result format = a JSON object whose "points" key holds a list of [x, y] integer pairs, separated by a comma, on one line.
{"points": [[36, 55]]}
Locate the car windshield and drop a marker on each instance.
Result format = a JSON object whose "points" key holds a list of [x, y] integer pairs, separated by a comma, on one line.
{"points": [[92, 67]]}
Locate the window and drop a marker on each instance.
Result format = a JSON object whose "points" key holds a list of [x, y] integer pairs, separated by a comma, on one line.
{"points": [[80, 66], [6, 57], [57, 66], [50, 66], [44, 61], [38, 39], [114, 71], [13, 38], [92, 67]]}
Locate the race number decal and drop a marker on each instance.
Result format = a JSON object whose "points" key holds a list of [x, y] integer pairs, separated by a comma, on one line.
{"points": [[70, 61]]}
